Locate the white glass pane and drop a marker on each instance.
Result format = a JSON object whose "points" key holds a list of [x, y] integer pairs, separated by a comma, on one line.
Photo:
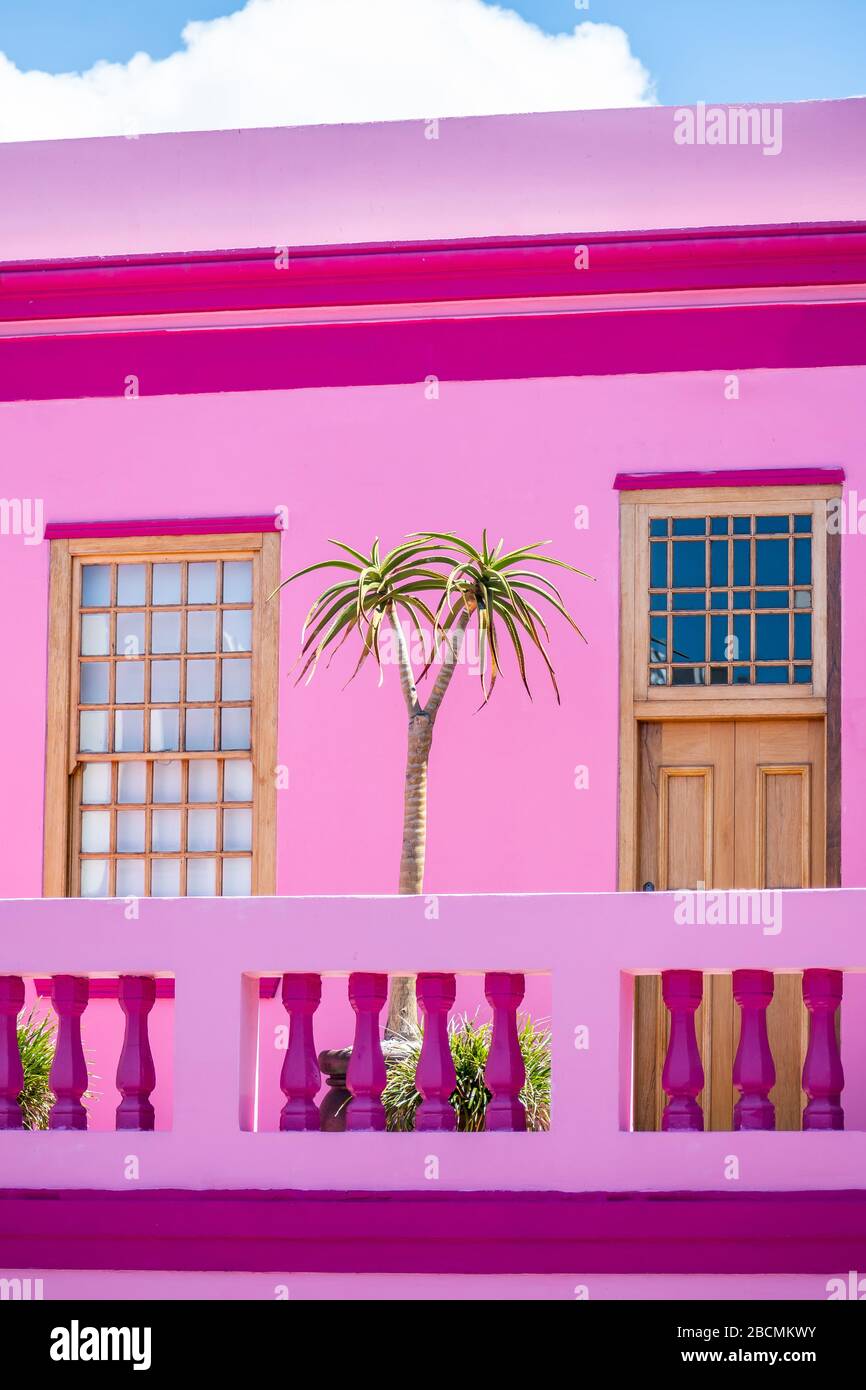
{"points": [[131, 783], [237, 877], [165, 831], [201, 878], [96, 784], [94, 878], [238, 785], [164, 681], [130, 585], [128, 731], [199, 730], [164, 730], [95, 634], [94, 682], [129, 682], [165, 632], [165, 878], [202, 780], [236, 679], [200, 680], [95, 832], [237, 629], [237, 830], [130, 634], [93, 731], [166, 583], [202, 582], [95, 586], [201, 831], [130, 878], [167, 784], [238, 581], [201, 632], [130, 832], [236, 728]]}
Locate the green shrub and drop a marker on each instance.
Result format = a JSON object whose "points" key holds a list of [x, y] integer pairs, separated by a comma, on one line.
{"points": [[36, 1040], [470, 1044]]}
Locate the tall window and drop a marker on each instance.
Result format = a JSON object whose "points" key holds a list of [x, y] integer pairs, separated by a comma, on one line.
{"points": [[171, 664]]}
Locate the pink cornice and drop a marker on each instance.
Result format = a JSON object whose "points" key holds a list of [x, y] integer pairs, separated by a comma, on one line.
{"points": [[161, 526], [731, 477]]}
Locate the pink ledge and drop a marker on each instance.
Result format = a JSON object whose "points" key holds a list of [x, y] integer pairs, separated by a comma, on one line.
{"points": [[161, 526], [436, 1232], [730, 477], [110, 988]]}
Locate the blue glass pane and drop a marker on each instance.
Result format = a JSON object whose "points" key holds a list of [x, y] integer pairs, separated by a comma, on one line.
{"points": [[658, 677], [803, 524], [742, 525], [718, 526], [718, 562], [742, 600], [692, 601], [658, 565], [690, 564], [771, 525], [741, 675], [689, 675], [771, 562], [718, 639], [771, 675], [719, 600], [658, 603], [742, 639], [802, 675], [689, 639], [803, 562], [771, 598], [690, 526], [659, 527], [658, 639], [742, 562], [803, 636], [718, 675], [771, 637]]}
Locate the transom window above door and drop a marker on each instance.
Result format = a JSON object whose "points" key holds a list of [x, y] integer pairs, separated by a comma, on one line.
{"points": [[730, 599]]}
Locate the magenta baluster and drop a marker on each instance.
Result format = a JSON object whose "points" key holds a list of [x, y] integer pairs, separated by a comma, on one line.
{"points": [[683, 1075], [754, 1073], [300, 1077], [366, 1075], [435, 1078], [505, 1072], [68, 1079], [11, 1071], [136, 1074], [823, 1077]]}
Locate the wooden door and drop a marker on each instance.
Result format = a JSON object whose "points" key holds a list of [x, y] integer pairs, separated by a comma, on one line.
{"points": [[728, 804]]}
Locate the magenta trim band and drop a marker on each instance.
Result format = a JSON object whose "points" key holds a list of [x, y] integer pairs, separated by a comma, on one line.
{"points": [[481, 268], [510, 347], [174, 526], [103, 988], [733, 477], [436, 1232]]}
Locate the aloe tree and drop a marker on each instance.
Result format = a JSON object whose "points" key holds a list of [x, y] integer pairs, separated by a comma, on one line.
{"points": [[437, 579]]}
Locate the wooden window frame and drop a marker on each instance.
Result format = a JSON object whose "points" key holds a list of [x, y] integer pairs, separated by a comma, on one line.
{"points": [[61, 760], [640, 702]]}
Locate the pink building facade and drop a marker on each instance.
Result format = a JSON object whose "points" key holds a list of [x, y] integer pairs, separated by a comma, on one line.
{"points": [[518, 323]]}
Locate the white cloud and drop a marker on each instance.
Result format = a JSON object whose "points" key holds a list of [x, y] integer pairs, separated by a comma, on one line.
{"points": [[309, 62]]}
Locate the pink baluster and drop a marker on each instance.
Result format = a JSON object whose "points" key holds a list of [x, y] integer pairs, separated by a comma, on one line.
{"points": [[136, 1074], [11, 1071], [366, 1075], [823, 1077], [505, 1072], [435, 1077], [683, 1075], [300, 1077], [754, 1073], [68, 1079]]}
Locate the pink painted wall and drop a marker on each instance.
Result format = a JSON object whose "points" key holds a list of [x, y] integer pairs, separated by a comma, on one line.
{"points": [[518, 456]]}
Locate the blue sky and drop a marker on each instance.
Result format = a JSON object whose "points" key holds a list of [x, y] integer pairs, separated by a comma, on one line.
{"points": [[716, 50]]}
